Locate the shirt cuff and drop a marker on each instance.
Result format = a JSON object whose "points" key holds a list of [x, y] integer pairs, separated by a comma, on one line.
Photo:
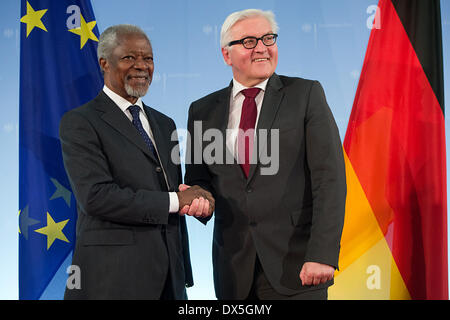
{"points": [[174, 204]]}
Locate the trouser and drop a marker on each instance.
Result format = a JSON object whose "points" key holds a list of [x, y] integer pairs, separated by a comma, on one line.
{"points": [[167, 293], [262, 290]]}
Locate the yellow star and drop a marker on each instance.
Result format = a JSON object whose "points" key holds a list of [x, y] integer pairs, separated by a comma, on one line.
{"points": [[53, 230], [33, 19], [85, 31]]}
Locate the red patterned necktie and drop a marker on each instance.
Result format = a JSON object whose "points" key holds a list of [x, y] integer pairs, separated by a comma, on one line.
{"points": [[246, 128]]}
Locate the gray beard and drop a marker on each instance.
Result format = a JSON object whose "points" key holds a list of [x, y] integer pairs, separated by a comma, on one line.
{"points": [[136, 92]]}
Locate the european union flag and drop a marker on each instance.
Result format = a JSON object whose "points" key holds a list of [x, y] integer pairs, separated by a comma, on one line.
{"points": [[58, 72]]}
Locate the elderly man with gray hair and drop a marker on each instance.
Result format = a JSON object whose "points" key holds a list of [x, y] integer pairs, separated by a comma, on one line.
{"points": [[131, 238], [276, 234]]}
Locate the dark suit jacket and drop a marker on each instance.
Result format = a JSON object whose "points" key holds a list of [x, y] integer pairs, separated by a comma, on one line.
{"points": [[123, 208], [288, 218]]}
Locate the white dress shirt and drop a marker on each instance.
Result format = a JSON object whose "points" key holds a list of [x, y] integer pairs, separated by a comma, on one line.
{"points": [[124, 104], [234, 118]]}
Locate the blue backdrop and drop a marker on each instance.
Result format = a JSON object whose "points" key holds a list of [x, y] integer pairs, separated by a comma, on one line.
{"points": [[323, 40]]}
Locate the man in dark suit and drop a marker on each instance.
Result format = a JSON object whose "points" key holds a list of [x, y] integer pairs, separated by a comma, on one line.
{"points": [[278, 223], [132, 242]]}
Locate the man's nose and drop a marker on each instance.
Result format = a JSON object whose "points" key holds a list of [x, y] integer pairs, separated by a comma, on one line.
{"points": [[140, 63], [260, 46]]}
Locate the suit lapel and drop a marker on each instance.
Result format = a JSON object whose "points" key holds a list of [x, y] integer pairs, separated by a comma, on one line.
{"points": [[223, 110], [269, 109], [218, 119], [161, 141], [119, 121], [222, 115]]}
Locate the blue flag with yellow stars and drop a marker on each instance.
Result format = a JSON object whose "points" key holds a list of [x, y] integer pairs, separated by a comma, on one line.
{"points": [[58, 71]]}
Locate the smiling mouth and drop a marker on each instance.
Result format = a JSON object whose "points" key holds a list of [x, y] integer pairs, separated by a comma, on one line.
{"points": [[139, 78], [260, 59]]}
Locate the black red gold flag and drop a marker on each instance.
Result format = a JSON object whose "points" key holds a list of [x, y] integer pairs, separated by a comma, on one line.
{"points": [[394, 243]]}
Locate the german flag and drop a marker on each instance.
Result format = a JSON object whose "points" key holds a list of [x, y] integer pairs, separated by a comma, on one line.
{"points": [[394, 242]]}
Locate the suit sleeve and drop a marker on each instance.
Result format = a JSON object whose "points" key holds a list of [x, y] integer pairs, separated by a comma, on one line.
{"points": [[93, 185], [197, 172], [327, 168]]}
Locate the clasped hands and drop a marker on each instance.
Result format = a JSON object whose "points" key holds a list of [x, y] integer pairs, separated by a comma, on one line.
{"points": [[195, 201]]}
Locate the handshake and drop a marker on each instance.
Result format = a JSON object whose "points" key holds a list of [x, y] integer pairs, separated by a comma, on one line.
{"points": [[195, 201]]}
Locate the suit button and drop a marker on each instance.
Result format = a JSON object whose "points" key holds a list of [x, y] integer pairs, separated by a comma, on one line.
{"points": [[158, 169]]}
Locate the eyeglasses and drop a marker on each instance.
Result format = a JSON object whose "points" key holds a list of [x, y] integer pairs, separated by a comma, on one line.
{"points": [[251, 42]]}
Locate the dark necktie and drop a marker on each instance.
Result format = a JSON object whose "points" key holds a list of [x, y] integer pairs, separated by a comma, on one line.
{"points": [[247, 126], [134, 110]]}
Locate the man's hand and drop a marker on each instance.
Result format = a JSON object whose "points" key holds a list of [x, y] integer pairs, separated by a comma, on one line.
{"points": [[314, 273], [195, 201]]}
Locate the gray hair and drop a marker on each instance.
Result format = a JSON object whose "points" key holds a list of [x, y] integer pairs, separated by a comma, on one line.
{"points": [[232, 19], [110, 38]]}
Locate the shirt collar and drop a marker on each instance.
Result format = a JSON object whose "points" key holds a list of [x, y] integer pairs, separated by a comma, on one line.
{"points": [[121, 102], [238, 87]]}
